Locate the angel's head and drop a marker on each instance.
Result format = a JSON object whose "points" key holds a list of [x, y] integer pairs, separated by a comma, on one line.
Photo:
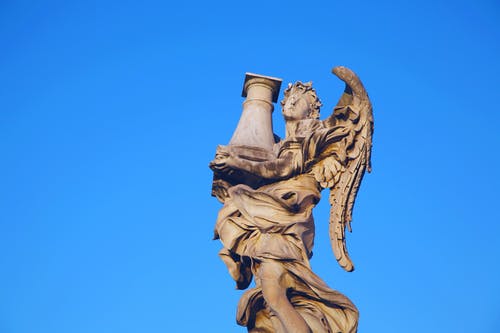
{"points": [[300, 102]]}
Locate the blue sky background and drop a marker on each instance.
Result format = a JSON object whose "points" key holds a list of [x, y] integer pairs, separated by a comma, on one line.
{"points": [[111, 110]]}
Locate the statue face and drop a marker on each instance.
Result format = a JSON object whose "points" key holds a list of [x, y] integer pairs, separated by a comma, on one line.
{"points": [[296, 107]]}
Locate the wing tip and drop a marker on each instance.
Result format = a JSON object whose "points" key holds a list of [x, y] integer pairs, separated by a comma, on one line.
{"points": [[346, 264]]}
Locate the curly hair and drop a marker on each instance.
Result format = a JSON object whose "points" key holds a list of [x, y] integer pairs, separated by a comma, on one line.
{"points": [[305, 89]]}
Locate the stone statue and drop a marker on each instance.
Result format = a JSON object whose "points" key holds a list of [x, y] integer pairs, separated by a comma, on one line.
{"points": [[269, 188]]}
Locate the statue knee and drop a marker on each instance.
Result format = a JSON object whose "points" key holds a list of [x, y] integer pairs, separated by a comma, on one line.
{"points": [[275, 298], [271, 271]]}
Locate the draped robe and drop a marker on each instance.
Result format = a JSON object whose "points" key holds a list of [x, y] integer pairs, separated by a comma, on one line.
{"points": [[274, 223]]}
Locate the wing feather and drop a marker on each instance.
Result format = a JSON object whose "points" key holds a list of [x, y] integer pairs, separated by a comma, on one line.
{"points": [[358, 116], [342, 165]]}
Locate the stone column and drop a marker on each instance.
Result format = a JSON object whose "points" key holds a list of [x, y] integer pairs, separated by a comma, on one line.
{"points": [[253, 138], [255, 128]]}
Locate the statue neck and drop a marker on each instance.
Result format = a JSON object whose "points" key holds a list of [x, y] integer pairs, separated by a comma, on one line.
{"points": [[300, 128], [291, 128]]}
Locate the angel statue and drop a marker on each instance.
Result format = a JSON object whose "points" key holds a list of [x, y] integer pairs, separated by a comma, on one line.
{"points": [[266, 225]]}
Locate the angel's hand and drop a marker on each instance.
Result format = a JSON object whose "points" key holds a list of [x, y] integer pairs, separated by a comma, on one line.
{"points": [[221, 155], [222, 152], [224, 164]]}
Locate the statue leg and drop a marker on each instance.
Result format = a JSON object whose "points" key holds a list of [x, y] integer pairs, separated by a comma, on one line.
{"points": [[277, 325], [272, 277]]}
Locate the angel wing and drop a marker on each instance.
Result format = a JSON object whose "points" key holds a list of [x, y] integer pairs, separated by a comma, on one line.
{"points": [[344, 156]]}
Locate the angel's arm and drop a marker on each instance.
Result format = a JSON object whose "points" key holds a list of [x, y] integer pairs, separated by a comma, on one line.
{"points": [[277, 168]]}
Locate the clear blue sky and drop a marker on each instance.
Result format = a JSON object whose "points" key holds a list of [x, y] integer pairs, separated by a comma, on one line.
{"points": [[111, 110]]}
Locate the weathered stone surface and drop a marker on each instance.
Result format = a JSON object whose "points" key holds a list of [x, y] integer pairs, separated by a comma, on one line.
{"points": [[269, 188]]}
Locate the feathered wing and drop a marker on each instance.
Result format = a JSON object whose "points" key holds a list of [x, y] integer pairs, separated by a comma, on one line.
{"points": [[341, 164]]}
